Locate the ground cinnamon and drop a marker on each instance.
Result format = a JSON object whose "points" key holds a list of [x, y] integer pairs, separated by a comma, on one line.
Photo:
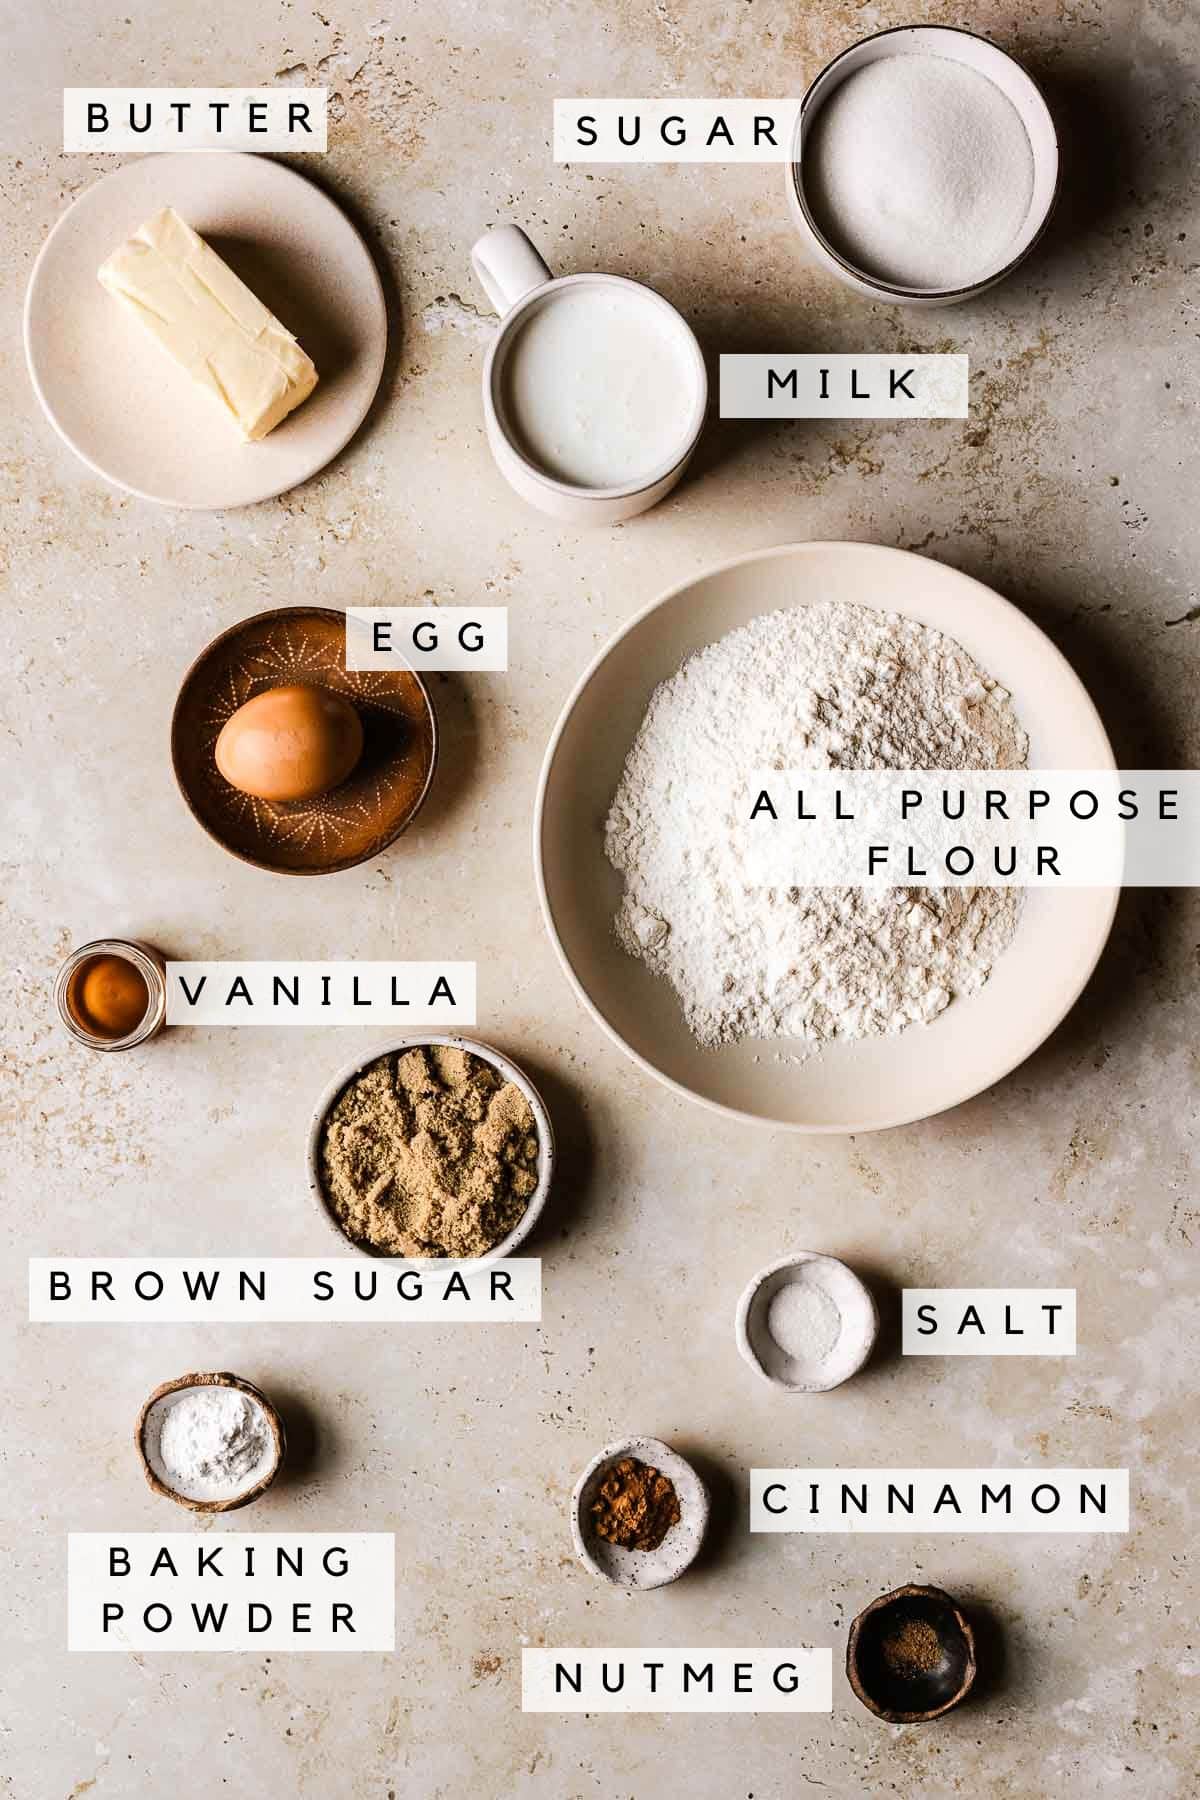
{"points": [[636, 1506]]}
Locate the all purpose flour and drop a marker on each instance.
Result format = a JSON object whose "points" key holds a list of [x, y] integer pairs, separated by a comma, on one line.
{"points": [[825, 686]]}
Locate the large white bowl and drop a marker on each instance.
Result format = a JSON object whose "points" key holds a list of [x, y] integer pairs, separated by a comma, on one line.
{"points": [[847, 1087]]}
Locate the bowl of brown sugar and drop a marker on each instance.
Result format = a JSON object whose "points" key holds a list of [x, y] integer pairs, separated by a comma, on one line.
{"points": [[639, 1514], [440, 1147]]}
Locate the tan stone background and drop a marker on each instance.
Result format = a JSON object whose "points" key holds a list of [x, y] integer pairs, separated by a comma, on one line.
{"points": [[1072, 489]]}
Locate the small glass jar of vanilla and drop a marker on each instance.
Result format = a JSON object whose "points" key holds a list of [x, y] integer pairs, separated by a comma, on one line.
{"points": [[112, 994]]}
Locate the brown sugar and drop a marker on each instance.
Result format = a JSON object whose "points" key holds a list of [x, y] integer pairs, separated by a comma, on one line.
{"points": [[636, 1506], [429, 1152]]}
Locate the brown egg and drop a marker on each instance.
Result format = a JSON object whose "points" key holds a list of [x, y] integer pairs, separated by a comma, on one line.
{"points": [[290, 743]]}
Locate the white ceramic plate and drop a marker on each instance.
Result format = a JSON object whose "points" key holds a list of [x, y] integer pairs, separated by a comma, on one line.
{"points": [[114, 394], [843, 1087]]}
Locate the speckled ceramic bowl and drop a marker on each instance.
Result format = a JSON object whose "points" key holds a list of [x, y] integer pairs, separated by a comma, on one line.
{"points": [[680, 1547], [855, 1341], [509, 1070]]}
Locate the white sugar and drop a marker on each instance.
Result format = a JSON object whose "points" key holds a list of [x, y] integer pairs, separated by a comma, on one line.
{"points": [[918, 170]]}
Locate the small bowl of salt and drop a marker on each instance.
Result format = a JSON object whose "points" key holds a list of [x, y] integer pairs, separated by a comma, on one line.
{"points": [[806, 1323], [210, 1442]]}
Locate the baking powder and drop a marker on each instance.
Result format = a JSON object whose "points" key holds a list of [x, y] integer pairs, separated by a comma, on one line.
{"points": [[213, 1443]]}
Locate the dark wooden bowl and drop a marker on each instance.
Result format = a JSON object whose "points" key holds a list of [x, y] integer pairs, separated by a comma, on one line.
{"points": [[352, 822], [880, 1664]]}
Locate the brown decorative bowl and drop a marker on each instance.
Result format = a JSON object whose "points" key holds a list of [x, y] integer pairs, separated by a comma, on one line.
{"points": [[351, 823], [144, 1430], [911, 1655]]}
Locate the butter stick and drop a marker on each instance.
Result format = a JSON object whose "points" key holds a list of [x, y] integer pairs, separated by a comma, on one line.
{"points": [[210, 323]]}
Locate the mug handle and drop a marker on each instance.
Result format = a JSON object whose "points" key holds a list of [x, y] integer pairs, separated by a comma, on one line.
{"points": [[507, 266]]}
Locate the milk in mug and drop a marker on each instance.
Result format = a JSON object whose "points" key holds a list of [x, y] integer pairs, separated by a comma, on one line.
{"points": [[599, 386]]}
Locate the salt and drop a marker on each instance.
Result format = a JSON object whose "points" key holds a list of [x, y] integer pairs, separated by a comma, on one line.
{"points": [[918, 169], [804, 1321]]}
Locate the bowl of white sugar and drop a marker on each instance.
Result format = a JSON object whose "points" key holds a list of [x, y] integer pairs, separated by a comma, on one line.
{"points": [[806, 1323], [924, 166], [210, 1442]]}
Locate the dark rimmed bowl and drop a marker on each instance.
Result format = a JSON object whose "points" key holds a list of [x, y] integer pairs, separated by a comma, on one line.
{"points": [[219, 1378], [351, 823], [888, 1691], [1013, 79]]}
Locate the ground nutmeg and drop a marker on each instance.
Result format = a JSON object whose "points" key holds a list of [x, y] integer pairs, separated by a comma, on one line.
{"points": [[913, 1649]]}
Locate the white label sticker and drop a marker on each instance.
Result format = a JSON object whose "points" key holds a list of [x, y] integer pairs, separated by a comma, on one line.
{"points": [[963, 827], [238, 1290], [852, 386], [180, 1591], [674, 131], [227, 118], [427, 637], [319, 993], [939, 1500], [685, 1681], [988, 1322]]}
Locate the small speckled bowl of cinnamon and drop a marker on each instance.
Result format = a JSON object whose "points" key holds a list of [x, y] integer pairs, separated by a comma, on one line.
{"points": [[652, 1541]]}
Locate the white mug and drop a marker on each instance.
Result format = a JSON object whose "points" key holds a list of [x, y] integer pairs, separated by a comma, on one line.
{"points": [[517, 281]]}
